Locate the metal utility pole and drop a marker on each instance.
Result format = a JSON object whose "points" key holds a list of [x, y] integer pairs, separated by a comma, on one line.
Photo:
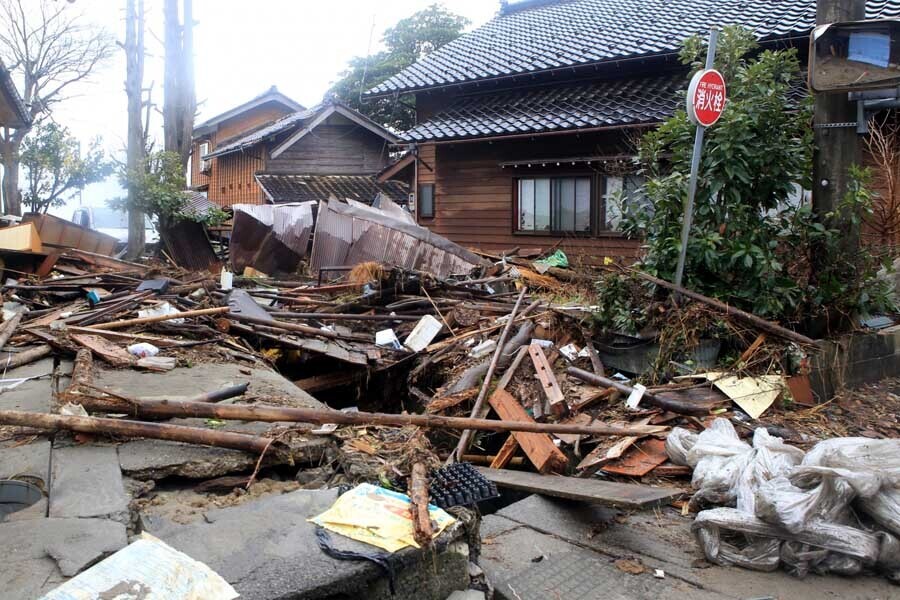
{"points": [[695, 171], [837, 144]]}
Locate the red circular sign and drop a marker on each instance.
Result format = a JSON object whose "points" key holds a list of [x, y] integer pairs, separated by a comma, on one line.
{"points": [[706, 97]]}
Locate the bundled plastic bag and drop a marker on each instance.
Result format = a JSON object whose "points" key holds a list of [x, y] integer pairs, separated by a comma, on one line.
{"points": [[727, 470], [794, 510]]}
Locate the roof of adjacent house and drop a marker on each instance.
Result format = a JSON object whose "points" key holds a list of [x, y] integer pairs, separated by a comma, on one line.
{"points": [[301, 188], [270, 95], [13, 112], [539, 110], [308, 118], [552, 35]]}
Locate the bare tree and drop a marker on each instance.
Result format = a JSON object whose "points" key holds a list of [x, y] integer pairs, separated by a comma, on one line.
{"points": [[137, 135], [180, 101], [48, 47], [883, 147]]}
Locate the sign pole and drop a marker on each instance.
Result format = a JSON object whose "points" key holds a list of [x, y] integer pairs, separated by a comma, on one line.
{"points": [[695, 168]]}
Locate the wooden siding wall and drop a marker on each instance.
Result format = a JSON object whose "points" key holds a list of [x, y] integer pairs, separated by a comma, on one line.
{"points": [[232, 180], [474, 195], [230, 173], [336, 147]]}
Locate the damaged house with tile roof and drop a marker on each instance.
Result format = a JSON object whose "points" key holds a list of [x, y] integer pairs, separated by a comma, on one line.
{"points": [[527, 126], [273, 150]]}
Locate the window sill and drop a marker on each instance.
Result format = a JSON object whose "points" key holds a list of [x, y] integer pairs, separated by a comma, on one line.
{"points": [[572, 234]]}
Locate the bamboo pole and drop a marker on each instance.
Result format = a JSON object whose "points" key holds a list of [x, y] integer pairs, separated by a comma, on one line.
{"points": [[158, 431], [273, 414], [160, 318], [758, 322], [466, 437]]}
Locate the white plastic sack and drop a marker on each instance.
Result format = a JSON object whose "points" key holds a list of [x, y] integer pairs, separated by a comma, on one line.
{"points": [[792, 510], [727, 470]]}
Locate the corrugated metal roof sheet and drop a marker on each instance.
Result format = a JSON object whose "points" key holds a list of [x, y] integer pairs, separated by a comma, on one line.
{"points": [[575, 33], [347, 235], [303, 188], [270, 238]]}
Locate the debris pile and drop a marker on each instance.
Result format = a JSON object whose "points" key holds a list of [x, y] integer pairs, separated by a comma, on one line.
{"points": [[424, 359]]}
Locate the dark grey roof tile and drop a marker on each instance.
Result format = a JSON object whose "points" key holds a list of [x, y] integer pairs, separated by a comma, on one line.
{"points": [[582, 32]]}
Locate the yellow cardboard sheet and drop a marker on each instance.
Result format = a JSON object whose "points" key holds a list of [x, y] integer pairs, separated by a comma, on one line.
{"points": [[753, 394], [377, 516]]}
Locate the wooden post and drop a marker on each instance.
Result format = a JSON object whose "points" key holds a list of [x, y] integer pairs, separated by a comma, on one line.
{"points": [[835, 140]]}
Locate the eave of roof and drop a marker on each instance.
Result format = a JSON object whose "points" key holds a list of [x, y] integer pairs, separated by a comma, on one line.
{"points": [[595, 105], [22, 117], [283, 187], [584, 34], [270, 95]]}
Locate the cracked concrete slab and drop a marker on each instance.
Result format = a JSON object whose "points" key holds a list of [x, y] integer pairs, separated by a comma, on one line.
{"points": [[157, 459], [35, 395], [659, 540], [87, 482], [204, 377], [267, 550], [35, 551]]}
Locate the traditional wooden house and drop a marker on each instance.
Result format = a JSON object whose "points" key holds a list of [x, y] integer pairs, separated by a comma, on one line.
{"points": [[526, 126], [271, 149], [13, 112]]}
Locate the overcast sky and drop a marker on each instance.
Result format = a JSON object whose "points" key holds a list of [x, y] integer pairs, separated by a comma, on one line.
{"points": [[242, 47]]}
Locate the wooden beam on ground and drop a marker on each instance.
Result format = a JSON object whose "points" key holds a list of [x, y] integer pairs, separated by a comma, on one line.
{"points": [[551, 388], [595, 491], [538, 447]]}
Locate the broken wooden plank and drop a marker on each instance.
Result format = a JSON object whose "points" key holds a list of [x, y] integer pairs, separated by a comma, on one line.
{"points": [[108, 351], [551, 388], [122, 336], [645, 456], [327, 381], [160, 318], [609, 493], [159, 364], [610, 449], [538, 447], [444, 402], [751, 350], [423, 532], [506, 453], [571, 438]]}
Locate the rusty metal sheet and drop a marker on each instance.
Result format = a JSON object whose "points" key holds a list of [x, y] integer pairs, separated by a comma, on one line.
{"points": [[348, 234], [188, 245], [271, 238]]}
